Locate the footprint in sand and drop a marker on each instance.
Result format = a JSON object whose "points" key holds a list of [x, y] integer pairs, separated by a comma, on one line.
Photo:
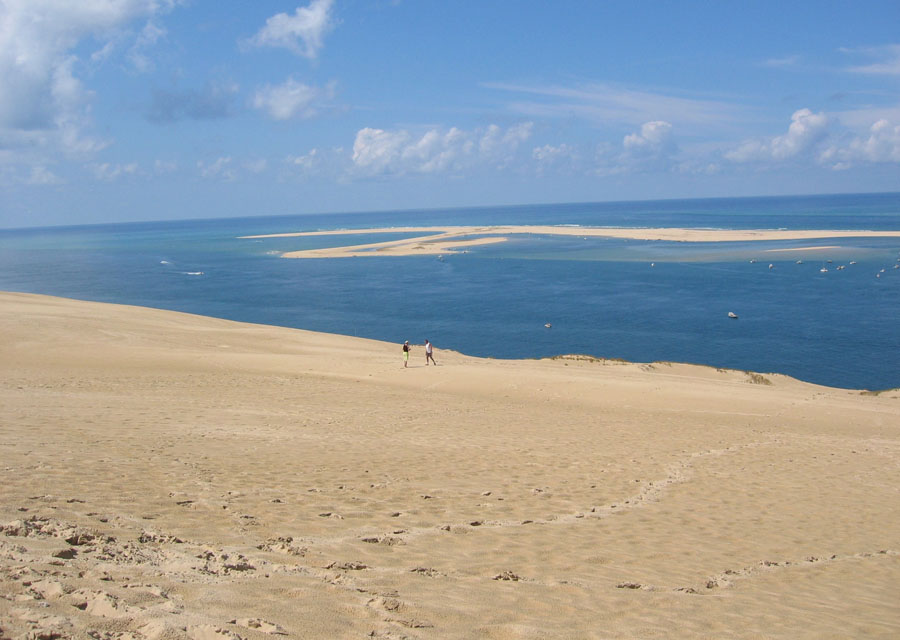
{"points": [[100, 604], [210, 632], [260, 625]]}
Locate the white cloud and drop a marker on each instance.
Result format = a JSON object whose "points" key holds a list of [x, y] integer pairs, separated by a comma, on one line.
{"points": [[806, 131], [150, 34], [888, 60], [807, 128], [604, 105], [165, 166], [549, 153], [379, 151], [653, 148], [376, 151], [256, 165], [303, 33], [291, 99], [787, 61], [654, 140], [109, 172], [220, 168], [881, 145], [40, 176], [305, 163], [549, 157], [496, 141], [39, 90]]}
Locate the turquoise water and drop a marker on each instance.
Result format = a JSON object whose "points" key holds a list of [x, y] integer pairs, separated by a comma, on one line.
{"points": [[602, 296]]}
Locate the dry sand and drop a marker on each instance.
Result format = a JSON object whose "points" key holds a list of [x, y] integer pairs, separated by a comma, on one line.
{"points": [[174, 476], [439, 240]]}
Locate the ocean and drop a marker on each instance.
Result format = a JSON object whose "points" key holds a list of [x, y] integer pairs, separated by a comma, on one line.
{"points": [[602, 296]]}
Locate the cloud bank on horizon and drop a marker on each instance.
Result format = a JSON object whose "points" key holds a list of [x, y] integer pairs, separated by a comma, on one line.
{"points": [[151, 109]]}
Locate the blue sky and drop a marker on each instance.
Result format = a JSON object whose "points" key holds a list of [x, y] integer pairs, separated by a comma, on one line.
{"points": [[121, 110]]}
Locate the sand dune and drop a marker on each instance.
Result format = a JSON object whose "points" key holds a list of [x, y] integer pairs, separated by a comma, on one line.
{"points": [[173, 476]]}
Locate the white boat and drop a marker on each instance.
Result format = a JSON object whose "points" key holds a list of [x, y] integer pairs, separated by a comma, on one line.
{"points": [[823, 270], [732, 314]]}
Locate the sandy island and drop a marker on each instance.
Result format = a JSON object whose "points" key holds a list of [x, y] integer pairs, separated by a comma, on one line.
{"points": [[166, 475], [440, 240]]}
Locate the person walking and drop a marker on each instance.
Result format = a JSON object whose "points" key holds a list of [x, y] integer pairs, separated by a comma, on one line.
{"points": [[429, 353], [406, 354]]}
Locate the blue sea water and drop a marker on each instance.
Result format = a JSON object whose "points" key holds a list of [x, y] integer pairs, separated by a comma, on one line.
{"points": [[602, 296]]}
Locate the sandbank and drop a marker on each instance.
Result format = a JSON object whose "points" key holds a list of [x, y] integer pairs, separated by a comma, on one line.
{"points": [[440, 240], [166, 475], [803, 248]]}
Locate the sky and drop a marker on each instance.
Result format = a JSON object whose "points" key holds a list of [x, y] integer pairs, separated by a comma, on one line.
{"points": [[130, 110]]}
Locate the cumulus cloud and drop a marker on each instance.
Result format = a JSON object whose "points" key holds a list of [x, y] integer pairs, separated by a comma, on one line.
{"points": [[303, 32], [806, 131], [652, 148], [559, 157], [379, 151], [40, 175], [807, 128], [220, 169], [305, 163], [109, 172], [291, 99], [549, 153], [376, 151], [39, 90], [653, 140], [211, 102], [496, 140], [881, 145]]}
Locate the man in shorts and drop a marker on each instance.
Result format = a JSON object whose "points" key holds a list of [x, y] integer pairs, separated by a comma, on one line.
{"points": [[429, 353]]}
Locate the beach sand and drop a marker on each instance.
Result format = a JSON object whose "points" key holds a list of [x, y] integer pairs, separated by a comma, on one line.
{"points": [[440, 240], [173, 476]]}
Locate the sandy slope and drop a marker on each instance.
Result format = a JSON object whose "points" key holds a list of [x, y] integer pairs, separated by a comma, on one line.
{"points": [[166, 476]]}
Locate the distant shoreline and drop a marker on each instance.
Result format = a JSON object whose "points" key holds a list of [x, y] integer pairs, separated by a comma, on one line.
{"points": [[450, 239]]}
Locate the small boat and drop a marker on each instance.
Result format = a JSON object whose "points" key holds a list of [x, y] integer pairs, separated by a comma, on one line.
{"points": [[771, 266], [799, 261], [853, 262], [652, 264], [732, 314], [753, 262], [548, 325], [823, 270]]}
